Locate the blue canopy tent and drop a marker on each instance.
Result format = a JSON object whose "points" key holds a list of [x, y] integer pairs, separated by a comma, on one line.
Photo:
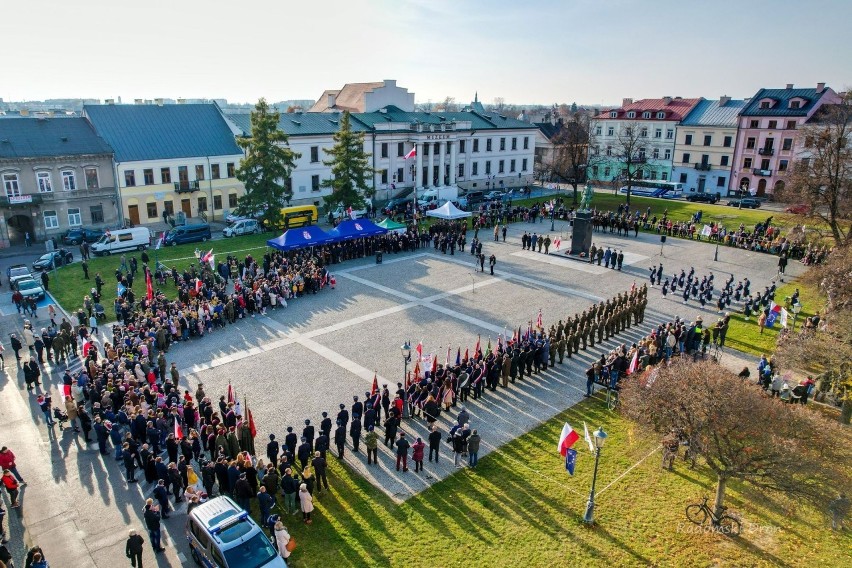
{"points": [[354, 229], [302, 237]]}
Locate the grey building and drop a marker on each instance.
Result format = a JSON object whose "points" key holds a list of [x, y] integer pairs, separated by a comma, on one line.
{"points": [[56, 174]]}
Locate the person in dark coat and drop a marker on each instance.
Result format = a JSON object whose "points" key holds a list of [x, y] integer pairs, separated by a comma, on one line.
{"points": [[208, 477], [355, 434], [243, 492], [161, 494], [304, 452], [325, 425], [129, 463], [320, 470], [340, 439], [272, 449], [265, 502], [152, 523], [176, 482], [434, 442], [133, 548], [308, 436], [290, 441], [221, 470]]}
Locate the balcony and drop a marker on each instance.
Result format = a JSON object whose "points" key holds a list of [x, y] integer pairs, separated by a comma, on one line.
{"points": [[24, 200], [763, 173], [640, 159], [186, 186], [766, 151], [703, 167]]}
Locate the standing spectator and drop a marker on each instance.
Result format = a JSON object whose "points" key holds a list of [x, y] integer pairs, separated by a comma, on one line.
{"points": [[289, 486], [434, 442], [7, 462], [473, 449], [27, 238], [307, 503], [11, 485], [320, 466], [38, 561], [152, 523], [282, 539], [133, 548], [265, 502], [402, 446], [417, 454], [16, 346], [371, 440]]}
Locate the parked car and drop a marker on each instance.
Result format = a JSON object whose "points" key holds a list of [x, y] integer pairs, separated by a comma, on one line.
{"points": [[493, 195], [17, 272], [798, 209], [341, 213], [188, 234], [397, 205], [241, 227], [29, 288], [53, 259], [77, 236], [703, 197], [746, 203], [119, 240]]}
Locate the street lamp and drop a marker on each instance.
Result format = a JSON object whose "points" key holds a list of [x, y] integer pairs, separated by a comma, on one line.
{"points": [[552, 214], [406, 359], [797, 307], [600, 439]]}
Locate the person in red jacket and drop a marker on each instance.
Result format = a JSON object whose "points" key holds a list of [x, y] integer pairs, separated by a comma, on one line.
{"points": [[417, 454], [11, 485], [7, 461]]}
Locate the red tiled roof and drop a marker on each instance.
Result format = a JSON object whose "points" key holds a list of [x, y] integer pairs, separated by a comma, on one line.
{"points": [[677, 109]]}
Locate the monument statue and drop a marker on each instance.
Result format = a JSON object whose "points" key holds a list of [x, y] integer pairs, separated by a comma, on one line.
{"points": [[588, 193]]}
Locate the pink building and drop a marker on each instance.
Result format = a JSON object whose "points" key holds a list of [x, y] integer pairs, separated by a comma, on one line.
{"points": [[766, 138]]}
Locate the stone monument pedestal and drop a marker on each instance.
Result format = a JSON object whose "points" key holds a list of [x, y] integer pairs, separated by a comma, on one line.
{"points": [[581, 237]]}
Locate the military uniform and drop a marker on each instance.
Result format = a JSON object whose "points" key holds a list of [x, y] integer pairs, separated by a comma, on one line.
{"points": [[560, 348]]}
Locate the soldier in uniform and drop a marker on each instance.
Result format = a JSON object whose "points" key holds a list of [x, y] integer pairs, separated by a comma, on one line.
{"points": [[552, 350], [560, 329], [513, 369], [560, 348], [577, 342], [600, 327], [569, 344], [591, 328], [505, 369]]}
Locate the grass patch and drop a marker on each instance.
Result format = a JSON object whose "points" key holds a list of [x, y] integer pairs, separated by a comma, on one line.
{"points": [[520, 508], [745, 335]]}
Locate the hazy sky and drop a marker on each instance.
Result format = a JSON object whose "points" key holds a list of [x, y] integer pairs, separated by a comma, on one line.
{"points": [[526, 51]]}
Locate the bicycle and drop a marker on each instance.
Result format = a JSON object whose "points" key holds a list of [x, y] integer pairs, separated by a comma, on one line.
{"points": [[724, 523]]}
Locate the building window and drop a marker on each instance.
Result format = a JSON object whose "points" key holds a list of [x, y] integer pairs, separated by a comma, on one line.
{"points": [[658, 133], [501, 166], [656, 153], [594, 171], [400, 149], [462, 146], [231, 170], [773, 124], [723, 161], [787, 144], [791, 125], [514, 143], [609, 150], [166, 175], [661, 115], [727, 141], [199, 172], [502, 144], [683, 178], [686, 157], [217, 202], [668, 154], [69, 181], [644, 132], [384, 149], [152, 209], [751, 142], [202, 204], [746, 163], [129, 178], [400, 175], [214, 171], [598, 131], [610, 131], [461, 171], [384, 177], [631, 114], [475, 169], [782, 165], [315, 184], [669, 133], [91, 178], [511, 166], [720, 181], [613, 114], [665, 176], [43, 180], [708, 139], [148, 174], [488, 144], [795, 104], [476, 144], [74, 217], [488, 167], [51, 221], [646, 114], [606, 171], [687, 141], [169, 207], [97, 213], [232, 200], [764, 104], [753, 124], [314, 154], [183, 174], [524, 165], [526, 142]]}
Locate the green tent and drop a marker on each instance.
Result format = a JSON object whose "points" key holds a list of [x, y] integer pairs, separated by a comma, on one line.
{"points": [[391, 225]]}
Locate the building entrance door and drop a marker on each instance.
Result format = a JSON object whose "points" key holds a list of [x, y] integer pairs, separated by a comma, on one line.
{"points": [[186, 207], [701, 181], [133, 212], [19, 226]]}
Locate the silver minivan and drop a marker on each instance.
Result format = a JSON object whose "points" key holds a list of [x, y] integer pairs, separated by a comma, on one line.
{"points": [[221, 534], [241, 227]]}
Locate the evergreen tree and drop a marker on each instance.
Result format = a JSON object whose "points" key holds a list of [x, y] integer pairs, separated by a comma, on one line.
{"points": [[266, 169], [350, 168]]}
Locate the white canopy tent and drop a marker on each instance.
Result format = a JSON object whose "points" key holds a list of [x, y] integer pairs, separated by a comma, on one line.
{"points": [[448, 211]]}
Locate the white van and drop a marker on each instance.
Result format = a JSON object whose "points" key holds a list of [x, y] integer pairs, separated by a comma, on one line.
{"points": [[241, 227], [119, 240]]}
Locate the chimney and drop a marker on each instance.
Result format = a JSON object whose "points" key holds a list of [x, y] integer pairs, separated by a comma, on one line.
{"points": [[331, 100], [820, 87], [109, 101], [625, 102], [181, 101], [724, 99], [138, 101], [789, 86], [390, 82], [667, 100], [158, 102]]}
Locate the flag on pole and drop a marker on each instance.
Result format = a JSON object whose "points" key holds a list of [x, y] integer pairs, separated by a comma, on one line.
{"points": [[557, 242], [783, 318], [447, 364], [458, 357], [774, 313], [634, 363], [570, 461], [178, 431], [567, 439], [149, 286], [466, 354], [477, 350], [212, 262], [589, 438], [538, 321], [419, 350], [198, 285], [206, 257], [706, 231], [250, 420], [160, 240], [411, 153], [375, 388], [488, 347], [434, 363], [232, 395], [417, 371]]}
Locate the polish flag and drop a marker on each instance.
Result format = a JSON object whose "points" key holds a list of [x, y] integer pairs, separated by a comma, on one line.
{"points": [[411, 153], [198, 285], [419, 350], [477, 350], [434, 363], [447, 364], [557, 242], [634, 363], [206, 257], [149, 286], [567, 439], [538, 321], [178, 431]]}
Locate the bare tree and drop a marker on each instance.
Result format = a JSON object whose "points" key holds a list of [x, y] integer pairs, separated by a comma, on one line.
{"points": [[630, 153], [571, 151], [822, 175], [499, 104], [447, 105], [741, 433]]}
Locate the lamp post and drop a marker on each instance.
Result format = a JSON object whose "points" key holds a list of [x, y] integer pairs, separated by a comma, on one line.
{"points": [[406, 359], [552, 214], [600, 439], [797, 307]]}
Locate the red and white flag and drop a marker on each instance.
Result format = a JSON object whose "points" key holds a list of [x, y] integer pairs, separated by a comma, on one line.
{"points": [[538, 321], [149, 286], [634, 363], [419, 350], [206, 257], [447, 364], [411, 153], [178, 431], [567, 439], [198, 285], [557, 242]]}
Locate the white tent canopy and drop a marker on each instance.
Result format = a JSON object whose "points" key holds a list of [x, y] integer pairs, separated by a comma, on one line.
{"points": [[448, 211]]}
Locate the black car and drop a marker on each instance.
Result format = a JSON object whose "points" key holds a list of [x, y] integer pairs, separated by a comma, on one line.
{"points": [[77, 236], [53, 259], [703, 197], [746, 203], [397, 205]]}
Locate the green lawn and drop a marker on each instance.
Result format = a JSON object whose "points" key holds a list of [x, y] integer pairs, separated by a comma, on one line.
{"points": [[520, 508]]}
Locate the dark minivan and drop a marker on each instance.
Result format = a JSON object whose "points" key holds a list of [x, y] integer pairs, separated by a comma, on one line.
{"points": [[188, 234]]}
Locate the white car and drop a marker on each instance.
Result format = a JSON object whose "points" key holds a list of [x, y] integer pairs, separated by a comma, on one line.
{"points": [[241, 227], [341, 213]]}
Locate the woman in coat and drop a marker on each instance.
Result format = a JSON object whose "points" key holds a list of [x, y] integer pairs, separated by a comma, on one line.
{"points": [[71, 410], [282, 538], [417, 454], [307, 502]]}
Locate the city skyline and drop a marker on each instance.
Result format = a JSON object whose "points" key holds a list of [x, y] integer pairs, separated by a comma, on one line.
{"points": [[434, 49]]}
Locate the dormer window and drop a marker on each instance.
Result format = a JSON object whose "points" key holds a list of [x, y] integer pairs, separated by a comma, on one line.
{"points": [[631, 114], [797, 102], [613, 114], [646, 114], [766, 102], [661, 115]]}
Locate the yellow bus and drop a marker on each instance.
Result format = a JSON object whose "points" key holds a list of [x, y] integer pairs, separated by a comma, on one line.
{"points": [[298, 216]]}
